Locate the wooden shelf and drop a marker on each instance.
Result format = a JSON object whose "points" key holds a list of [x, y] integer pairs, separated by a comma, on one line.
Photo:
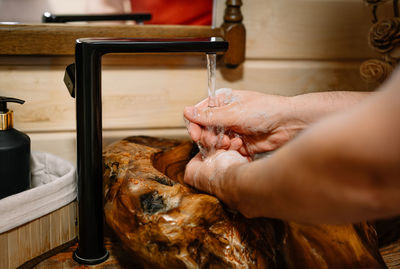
{"points": [[56, 39]]}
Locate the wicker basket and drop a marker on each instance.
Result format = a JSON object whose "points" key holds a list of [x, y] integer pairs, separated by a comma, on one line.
{"points": [[42, 218]]}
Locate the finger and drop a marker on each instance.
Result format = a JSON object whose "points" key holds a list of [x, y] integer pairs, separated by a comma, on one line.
{"points": [[190, 113], [194, 131], [211, 139], [235, 143], [224, 143], [242, 150], [250, 149], [247, 149], [218, 116], [208, 138]]}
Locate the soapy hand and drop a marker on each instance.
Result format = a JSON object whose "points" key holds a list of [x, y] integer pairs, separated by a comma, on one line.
{"points": [[252, 122], [207, 174]]}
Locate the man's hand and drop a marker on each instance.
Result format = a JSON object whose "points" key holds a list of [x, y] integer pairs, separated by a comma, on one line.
{"points": [[252, 122], [207, 174]]}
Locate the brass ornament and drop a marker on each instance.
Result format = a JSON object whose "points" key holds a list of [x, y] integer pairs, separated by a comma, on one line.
{"points": [[385, 35], [375, 71]]}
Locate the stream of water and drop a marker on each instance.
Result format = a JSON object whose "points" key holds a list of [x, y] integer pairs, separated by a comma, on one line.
{"points": [[212, 102], [211, 68]]}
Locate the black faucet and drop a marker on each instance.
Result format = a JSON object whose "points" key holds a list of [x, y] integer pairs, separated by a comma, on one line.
{"points": [[83, 80]]}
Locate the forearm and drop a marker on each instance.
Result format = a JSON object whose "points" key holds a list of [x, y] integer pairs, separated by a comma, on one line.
{"points": [[311, 107], [330, 174]]}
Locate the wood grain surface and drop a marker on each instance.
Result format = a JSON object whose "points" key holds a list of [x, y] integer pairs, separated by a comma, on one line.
{"points": [[391, 255], [292, 47], [121, 259], [37, 237], [336, 249], [59, 39], [166, 224], [307, 29], [151, 96]]}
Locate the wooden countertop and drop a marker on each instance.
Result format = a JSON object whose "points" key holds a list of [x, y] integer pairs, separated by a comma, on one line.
{"points": [[119, 258]]}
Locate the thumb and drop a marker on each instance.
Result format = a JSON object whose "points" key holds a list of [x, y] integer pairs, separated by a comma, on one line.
{"points": [[192, 169], [217, 116]]}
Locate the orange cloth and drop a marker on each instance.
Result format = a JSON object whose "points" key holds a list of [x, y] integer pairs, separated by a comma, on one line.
{"points": [[187, 12]]}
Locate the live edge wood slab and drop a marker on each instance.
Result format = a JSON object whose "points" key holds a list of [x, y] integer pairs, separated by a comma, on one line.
{"points": [[163, 223]]}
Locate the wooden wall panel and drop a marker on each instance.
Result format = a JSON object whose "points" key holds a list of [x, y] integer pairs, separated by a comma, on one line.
{"points": [[131, 98], [63, 144], [154, 97], [286, 77], [293, 47], [306, 29], [139, 99]]}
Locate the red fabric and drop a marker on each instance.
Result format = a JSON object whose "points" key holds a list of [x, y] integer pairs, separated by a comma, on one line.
{"points": [[185, 12]]}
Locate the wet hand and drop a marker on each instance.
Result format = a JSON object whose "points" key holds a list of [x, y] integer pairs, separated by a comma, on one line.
{"points": [[252, 122], [207, 174]]}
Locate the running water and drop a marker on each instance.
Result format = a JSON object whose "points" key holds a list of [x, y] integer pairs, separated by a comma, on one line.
{"points": [[211, 68], [212, 102], [227, 97]]}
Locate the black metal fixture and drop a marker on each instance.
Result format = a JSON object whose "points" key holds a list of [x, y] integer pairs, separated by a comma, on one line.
{"points": [[83, 80], [58, 18]]}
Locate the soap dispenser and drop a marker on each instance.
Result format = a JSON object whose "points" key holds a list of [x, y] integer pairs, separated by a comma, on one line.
{"points": [[15, 151]]}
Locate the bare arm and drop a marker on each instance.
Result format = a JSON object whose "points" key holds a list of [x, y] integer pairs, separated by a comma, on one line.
{"points": [[311, 107], [344, 169], [264, 122]]}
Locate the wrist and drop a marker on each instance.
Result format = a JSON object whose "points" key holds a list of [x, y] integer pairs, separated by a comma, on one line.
{"points": [[304, 108], [293, 115], [227, 185]]}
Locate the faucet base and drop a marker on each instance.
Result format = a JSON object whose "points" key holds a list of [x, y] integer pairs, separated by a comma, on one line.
{"points": [[94, 261]]}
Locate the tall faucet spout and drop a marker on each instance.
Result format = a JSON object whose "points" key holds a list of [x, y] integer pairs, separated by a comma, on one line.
{"points": [[86, 87]]}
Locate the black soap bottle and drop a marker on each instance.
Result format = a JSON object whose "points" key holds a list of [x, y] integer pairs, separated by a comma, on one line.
{"points": [[15, 151]]}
